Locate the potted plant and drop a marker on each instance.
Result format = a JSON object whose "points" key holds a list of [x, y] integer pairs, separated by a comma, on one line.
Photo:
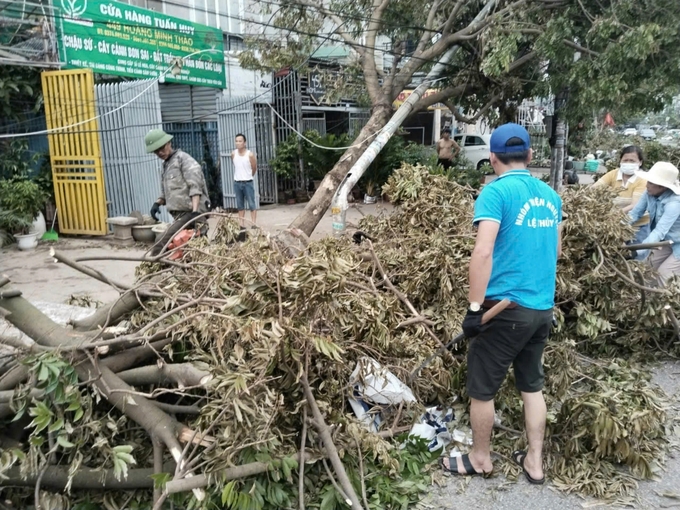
{"points": [[369, 197], [289, 195], [21, 200]]}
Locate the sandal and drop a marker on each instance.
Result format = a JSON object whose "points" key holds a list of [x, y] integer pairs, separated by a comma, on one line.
{"points": [[519, 456], [467, 465]]}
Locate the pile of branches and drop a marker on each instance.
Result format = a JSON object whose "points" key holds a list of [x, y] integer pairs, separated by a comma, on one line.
{"points": [[229, 386]]}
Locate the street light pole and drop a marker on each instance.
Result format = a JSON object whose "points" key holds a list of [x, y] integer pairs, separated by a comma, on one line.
{"points": [[560, 141]]}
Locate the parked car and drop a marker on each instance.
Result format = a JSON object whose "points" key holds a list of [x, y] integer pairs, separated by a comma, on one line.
{"points": [[630, 132], [475, 148], [648, 134]]}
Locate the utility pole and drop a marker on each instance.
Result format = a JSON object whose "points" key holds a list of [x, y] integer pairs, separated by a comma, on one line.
{"points": [[558, 141], [557, 156]]}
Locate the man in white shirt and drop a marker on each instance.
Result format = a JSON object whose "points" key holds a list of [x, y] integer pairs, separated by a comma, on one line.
{"points": [[245, 166]]}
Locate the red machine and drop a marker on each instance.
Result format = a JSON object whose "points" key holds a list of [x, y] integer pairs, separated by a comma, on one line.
{"points": [[182, 237]]}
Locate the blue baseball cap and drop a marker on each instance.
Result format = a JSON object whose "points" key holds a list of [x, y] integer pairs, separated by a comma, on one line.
{"points": [[510, 138]]}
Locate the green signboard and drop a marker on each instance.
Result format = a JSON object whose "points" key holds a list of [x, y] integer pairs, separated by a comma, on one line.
{"points": [[120, 39]]}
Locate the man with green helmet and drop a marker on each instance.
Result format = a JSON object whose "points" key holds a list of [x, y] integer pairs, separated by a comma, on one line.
{"points": [[183, 189]]}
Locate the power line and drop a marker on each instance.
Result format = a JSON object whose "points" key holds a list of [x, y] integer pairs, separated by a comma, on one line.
{"points": [[48, 131], [23, 135]]}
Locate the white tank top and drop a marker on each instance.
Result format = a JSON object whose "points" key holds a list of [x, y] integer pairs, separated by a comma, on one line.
{"points": [[242, 169]]}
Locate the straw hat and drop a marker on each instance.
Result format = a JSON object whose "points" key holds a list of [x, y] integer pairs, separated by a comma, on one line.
{"points": [[664, 174]]}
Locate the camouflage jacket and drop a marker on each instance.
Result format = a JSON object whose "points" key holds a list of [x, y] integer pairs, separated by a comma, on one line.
{"points": [[183, 178]]}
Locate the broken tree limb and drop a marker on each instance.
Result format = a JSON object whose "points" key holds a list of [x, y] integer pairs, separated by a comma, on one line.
{"points": [[20, 344], [14, 377], [157, 466], [97, 275], [404, 299], [6, 396], [134, 356], [177, 409], [184, 374], [232, 473], [36, 325], [327, 440], [85, 479], [109, 314]]}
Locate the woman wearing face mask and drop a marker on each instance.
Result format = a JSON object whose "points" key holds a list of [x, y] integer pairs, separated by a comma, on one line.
{"points": [[629, 186], [662, 202]]}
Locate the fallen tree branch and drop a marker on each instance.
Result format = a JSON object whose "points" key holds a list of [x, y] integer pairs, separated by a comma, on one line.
{"points": [[177, 409], [246, 470], [14, 377], [28, 319], [636, 284], [157, 467], [404, 299], [232, 473], [415, 320], [97, 275], [56, 477], [183, 374], [108, 314], [21, 344], [131, 357], [327, 440], [301, 474]]}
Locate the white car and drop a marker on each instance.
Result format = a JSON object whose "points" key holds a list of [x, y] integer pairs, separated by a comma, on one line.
{"points": [[630, 132], [475, 148], [648, 134]]}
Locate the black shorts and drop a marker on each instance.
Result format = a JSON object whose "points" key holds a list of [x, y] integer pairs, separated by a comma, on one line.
{"points": [[516, 336], [446, 163]]}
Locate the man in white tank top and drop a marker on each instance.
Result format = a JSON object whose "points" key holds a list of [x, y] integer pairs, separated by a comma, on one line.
{"points": [[245, 166]]}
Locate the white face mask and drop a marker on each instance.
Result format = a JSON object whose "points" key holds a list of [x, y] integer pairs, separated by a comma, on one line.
{"points": [[629, 168]]}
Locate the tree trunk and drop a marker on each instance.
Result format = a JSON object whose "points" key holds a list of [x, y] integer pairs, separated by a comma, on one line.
{"points": [[309, 218]]}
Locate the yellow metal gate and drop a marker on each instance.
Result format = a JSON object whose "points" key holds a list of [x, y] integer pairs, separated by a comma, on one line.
{"points": [[75, 152]]}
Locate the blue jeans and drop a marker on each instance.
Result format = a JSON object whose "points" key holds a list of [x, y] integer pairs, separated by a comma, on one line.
{"points": [[245, 193]]}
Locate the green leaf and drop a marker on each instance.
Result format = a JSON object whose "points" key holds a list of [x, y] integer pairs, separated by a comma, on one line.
{"points": [[63, 442], [228, 493], [57, 425], [160, 479], [328, 501], [44, 373]]}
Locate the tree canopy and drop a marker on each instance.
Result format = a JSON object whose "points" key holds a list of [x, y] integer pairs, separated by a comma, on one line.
{"points": [[617, 54]]}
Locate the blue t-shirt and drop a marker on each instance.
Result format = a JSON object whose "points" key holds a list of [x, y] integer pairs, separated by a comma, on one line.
{"points": [[525, 253]]}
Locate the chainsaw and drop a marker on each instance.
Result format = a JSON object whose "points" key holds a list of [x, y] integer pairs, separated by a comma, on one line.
{"points": [[180, 239]]}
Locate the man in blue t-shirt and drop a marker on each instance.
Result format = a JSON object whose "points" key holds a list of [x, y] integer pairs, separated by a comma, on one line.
{"points": [[518, 221]]}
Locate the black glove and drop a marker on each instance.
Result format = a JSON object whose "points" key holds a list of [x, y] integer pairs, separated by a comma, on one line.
{"points": [[472, 323], [630, 255], [359, 236], [190, 217], [155, 210]]}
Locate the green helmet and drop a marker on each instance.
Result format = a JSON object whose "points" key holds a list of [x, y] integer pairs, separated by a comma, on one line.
{"points": [[155, 139]]}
